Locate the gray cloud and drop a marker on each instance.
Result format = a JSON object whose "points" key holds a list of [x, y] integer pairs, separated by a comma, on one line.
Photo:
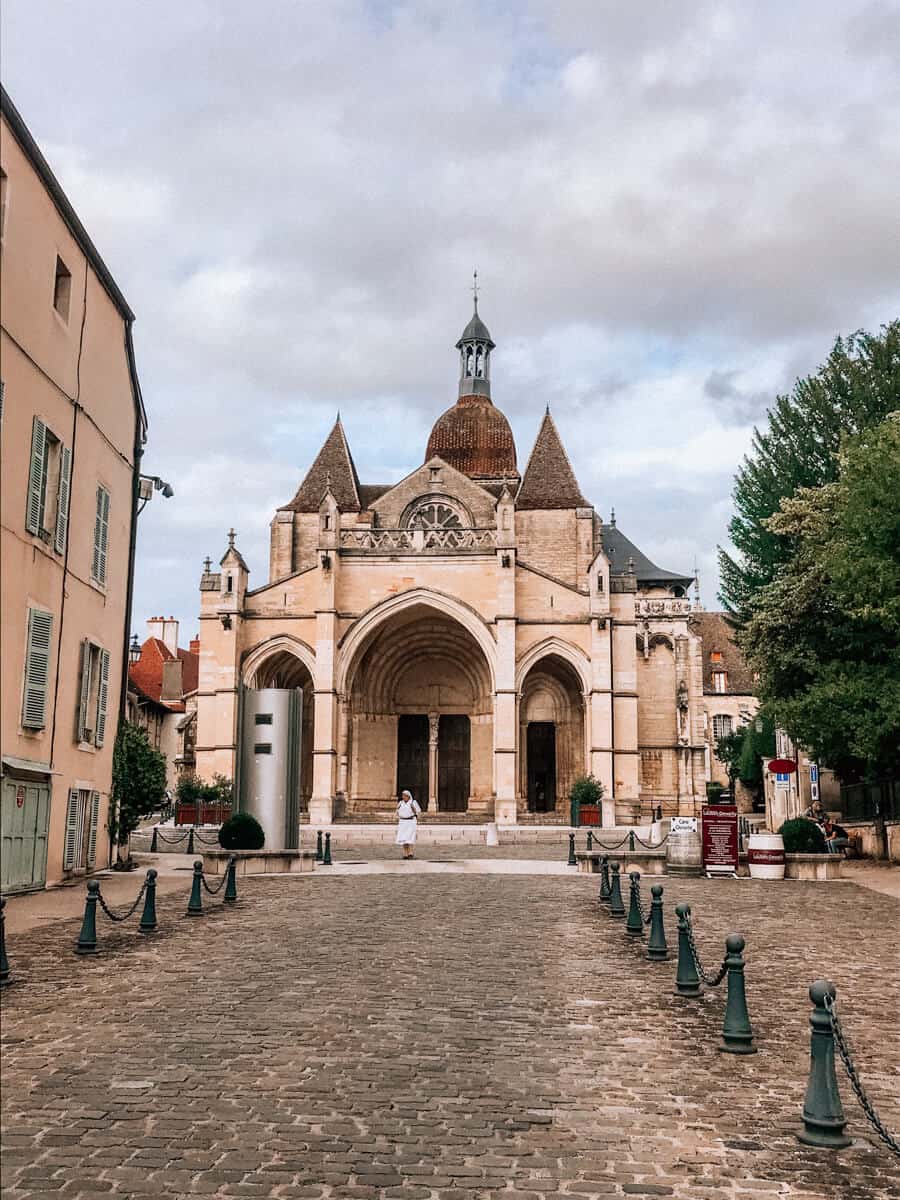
{"points": [[673, 209]]}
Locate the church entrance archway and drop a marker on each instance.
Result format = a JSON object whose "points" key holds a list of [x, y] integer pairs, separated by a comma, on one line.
{"points": [[551, 734], [419, 704], [283, 669]]}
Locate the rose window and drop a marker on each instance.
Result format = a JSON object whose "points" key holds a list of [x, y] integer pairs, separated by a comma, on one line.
{"points": [[434, 514]]}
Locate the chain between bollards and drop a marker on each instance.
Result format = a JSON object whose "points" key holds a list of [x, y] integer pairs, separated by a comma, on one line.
{"points": [[572, 861], [326, 857], [5, 976], [616, 906], [605, 890], [195, 904]]}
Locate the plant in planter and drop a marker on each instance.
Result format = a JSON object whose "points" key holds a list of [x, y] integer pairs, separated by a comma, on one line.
{"points": [[242, 832], [802, 837], [584, 792]]}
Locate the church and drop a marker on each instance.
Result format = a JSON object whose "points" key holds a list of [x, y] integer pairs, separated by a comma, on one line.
{"points": [[475, 633]]}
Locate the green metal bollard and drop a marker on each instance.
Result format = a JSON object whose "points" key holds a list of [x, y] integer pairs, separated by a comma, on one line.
{"points": [[737, 1033], [657, 947], [319, 846], [687, 981], [605, 890], [87, 939], [616, 907], [634, 926], [5, 980], [823, 1113], [195, 904], [230, 896], [572, 860], [153, 846], [590, 841], [326, 858], [631, 840], [190, 845], [148, 916]]}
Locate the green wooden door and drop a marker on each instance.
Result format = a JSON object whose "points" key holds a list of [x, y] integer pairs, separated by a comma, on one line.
{"points": [[24, 820]]}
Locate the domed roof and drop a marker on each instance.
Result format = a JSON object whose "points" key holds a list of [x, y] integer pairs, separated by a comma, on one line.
{"points": [[475, 331], [475, 438]]}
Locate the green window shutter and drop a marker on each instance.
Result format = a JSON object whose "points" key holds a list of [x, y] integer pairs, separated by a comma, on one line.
{"points": [[73, 830], [92, 831], [81, 727], [102, 699], [37, 668], [62, 499], [34, 508], [101, 536]]}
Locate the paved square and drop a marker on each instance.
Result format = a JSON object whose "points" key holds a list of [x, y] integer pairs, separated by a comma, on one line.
{"points": [[441, 1035]]}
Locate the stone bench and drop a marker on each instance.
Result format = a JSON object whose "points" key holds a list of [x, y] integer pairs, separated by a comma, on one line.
{"points": [[648, 862], [259, 862]]}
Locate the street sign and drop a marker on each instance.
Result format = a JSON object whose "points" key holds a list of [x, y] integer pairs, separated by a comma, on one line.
{"points": [[720, 839], [782, 766], [684, 825]]}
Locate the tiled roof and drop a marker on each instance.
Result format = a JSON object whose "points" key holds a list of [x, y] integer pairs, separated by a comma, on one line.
{"points": [[333, 467], [619, 549], [146, 675], [549, 481], [370, 492], [718, 638], [475, 438]]}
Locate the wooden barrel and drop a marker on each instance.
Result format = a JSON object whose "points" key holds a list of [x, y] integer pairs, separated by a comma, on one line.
{"points": [[684, 853], [765, 855]]}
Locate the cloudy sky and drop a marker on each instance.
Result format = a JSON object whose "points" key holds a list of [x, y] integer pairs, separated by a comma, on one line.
{"points": [[673, 209]]}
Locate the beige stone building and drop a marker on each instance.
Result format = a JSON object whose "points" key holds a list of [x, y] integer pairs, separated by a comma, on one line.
{"points": [[73, 426], [162, 694], [728, 699], [475, 633]]}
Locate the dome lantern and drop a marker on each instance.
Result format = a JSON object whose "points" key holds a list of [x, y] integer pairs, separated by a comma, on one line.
{"points": [[475, 346]]}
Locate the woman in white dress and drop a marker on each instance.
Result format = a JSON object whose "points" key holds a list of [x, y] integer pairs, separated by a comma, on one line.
{"points": [[407, 814]]}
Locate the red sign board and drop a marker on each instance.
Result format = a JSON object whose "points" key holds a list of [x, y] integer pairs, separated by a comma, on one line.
{"points": [[720, 838], [782, 766]]}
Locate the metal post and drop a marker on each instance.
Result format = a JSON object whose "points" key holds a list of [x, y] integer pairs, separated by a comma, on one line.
{"points": [[605, 890], [87, 939], [737, 1033], [590, 841], [319, 846], [148, 916], [326, 857], [823, 1113], [190, 845], [687, 981], [616, 907], [153, 846], [230, 896], [195, 904], [634, 926], [5, 980], [631, 840], [572, 860], [657, 947]]}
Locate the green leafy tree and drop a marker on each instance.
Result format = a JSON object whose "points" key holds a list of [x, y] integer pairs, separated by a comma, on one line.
{"points": [[824, 634], [138, 781], [856, 388]]}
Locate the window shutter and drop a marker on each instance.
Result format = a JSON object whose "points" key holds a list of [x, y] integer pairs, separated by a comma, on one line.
{"points": [[37, 668], [73, 827], [62, 499], [92, 831], [35, 503], [101, 535], [81, 730], [102, 699]]}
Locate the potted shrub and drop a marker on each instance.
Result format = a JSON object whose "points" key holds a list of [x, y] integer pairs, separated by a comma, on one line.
{"points": [[584, 800], [242, 832], [801, 836]]}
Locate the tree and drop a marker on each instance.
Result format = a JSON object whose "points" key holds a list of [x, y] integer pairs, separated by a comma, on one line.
{"points": [[855, 389], [138, 781], [824, 634], [743, 750]]}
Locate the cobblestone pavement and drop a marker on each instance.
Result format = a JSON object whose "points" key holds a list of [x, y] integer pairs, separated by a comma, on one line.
{"points": [[441, 1036]]}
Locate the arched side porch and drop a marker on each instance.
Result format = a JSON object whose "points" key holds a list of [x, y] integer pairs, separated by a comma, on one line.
{"points": [[551, 736]]}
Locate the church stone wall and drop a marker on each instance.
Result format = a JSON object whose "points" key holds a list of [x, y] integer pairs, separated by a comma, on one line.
{"points": [[547, 540], [540, 599]]}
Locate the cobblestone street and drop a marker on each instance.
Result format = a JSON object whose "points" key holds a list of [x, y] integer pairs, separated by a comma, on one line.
{"points": [[441, 1035]]}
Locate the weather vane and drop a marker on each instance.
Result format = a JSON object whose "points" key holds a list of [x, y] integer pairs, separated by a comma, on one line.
{"points": [[475, 288]]}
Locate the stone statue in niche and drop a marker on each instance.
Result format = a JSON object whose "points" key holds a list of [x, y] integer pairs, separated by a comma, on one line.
{"points": [[683, 704]]}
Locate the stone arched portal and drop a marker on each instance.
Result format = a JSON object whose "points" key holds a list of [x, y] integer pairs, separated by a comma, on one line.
{"points": [[419, 715], [551, 735]]}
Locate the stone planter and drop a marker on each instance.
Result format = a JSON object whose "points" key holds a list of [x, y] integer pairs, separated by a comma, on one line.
{"points": [[812, 866], [260, 862]]}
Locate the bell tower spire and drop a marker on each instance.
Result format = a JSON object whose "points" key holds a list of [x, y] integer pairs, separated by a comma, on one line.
{"points": [[475, 348]]}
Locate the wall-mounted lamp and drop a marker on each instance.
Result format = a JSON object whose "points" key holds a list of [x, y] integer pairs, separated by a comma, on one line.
{"points": [[134, 650], [148, 484], [226, 620], [326, 562]]}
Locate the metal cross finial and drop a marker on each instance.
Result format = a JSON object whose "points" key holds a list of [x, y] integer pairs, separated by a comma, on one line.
{"points": [[231, 537], [207, 565], [612, 518], [475, 288]]}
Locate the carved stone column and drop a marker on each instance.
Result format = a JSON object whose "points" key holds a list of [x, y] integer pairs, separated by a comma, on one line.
{"points": [[434, 722]]}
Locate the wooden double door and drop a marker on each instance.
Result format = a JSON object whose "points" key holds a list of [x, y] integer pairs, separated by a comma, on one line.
{"points": [[452, 761]]}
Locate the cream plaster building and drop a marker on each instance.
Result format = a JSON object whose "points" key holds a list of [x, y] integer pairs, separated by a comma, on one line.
{"points": [[73, 426], [476, 634]]}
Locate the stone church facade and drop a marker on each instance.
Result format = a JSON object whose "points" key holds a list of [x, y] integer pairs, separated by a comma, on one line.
{"points": [[474, 633]]}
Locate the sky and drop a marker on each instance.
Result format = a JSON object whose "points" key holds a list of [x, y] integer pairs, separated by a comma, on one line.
{"points": [[673, 208]]}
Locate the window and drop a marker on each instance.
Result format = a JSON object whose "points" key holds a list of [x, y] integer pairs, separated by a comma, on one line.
{"points": [[722, 725], [720, 681], [49, 487], [229, 584], [82, 813], [101, 536], [94, 699], [37, 668], [62, 289], [715, 656]]}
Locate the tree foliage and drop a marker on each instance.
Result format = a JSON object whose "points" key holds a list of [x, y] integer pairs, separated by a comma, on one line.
{"points": [[743, 750], [138, 781], [824, 633], [855, 389]]}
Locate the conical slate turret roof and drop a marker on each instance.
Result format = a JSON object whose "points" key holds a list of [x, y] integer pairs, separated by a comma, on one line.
{"points": [[549, 481], [334, 468]]}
